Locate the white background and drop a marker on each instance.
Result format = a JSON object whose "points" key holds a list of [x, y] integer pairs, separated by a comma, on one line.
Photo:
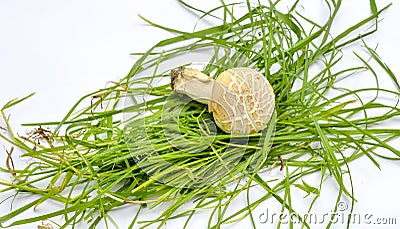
{"points": [[65, 49]]}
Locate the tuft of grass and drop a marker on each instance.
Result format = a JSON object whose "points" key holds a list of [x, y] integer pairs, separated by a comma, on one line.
{"points": [[137, 143]]}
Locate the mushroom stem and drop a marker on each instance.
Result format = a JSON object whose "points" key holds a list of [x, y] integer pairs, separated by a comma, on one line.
{"points": [[192, 83]]}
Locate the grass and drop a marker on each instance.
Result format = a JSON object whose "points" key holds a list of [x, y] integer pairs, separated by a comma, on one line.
{"points": [[137, 143]]}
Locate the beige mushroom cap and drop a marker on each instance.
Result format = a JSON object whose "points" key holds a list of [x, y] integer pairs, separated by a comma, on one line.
{"points": [[244, 104]]}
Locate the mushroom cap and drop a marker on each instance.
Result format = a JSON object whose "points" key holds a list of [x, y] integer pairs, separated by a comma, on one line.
{"points": [[243, 101]]}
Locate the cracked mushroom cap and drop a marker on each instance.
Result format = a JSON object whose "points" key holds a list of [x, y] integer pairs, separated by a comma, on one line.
{"points": [[242, 101]]}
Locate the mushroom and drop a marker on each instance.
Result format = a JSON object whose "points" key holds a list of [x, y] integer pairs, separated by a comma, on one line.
{"points": [[241, 99]]}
